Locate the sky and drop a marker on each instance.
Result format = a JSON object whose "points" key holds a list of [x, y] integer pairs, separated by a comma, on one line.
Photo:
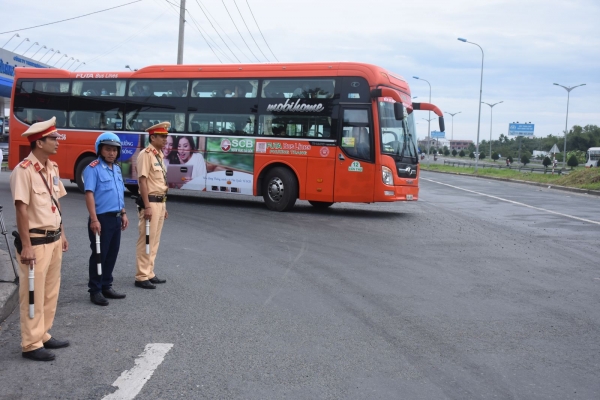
{"points": [[528, 45]]}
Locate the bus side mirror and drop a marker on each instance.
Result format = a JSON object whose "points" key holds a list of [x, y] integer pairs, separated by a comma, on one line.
{"points": [[398, 111], [442, 125]]}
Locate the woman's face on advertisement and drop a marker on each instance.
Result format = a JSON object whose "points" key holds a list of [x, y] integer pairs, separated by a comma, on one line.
{"points": [[168, 146], [184, 149]]}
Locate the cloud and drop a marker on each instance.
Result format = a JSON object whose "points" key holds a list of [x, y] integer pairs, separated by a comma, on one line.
{"points": [[528, 45]]}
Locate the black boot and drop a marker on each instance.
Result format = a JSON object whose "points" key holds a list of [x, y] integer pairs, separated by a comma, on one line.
{"points": [[40, 354], [98, 299]]}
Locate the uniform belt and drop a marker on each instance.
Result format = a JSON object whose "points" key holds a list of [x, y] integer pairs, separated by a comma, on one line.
{"points": [[47, 233], [36, 241], [157, 198], [113, 214]]}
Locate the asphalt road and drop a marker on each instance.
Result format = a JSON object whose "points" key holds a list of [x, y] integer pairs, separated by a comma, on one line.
{"points": [[480, 290]]}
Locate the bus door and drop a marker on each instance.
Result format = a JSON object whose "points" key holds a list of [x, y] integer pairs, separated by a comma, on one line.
{"points": [[355, 158]]}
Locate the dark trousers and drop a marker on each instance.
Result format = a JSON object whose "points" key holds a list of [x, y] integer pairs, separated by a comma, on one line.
{"points": [[110, 241]]}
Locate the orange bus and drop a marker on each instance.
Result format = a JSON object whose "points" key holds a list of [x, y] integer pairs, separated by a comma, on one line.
{"points": [[322, 132]]}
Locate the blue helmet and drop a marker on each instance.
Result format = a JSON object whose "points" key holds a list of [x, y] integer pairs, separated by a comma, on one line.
{"points": [[110, 139]]}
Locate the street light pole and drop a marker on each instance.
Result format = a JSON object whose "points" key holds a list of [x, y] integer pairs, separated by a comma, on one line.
{"points": [[480, 92], [22, 41], [82, 63], [491, 116], [45, 54], [43, 47], [568, 89], [452, 114], [29, 48], [429, 115], [55, 53], [428, 134], [11, 38]]}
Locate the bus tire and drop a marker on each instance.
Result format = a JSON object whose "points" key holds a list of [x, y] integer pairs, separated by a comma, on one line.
{"points": [[133, 189], [321, 205], [85, 161], [280, 189]]}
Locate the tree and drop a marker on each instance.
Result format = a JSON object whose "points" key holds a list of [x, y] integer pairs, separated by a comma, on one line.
{"points": [[572, 162], [446, 151], [454, 152], [525, 159], [495, 156], [472, 155], [482, 155], [547, 162], [462, 153]]}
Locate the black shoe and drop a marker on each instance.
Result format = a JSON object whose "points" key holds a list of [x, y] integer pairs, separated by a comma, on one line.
{"points": [[145, 285], [156, 280], [111, 294], [98, 299], [56, 344], [40, 354]]}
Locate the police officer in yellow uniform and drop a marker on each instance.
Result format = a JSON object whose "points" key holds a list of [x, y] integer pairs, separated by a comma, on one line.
{"points": [[152, 181], [36, 188]]}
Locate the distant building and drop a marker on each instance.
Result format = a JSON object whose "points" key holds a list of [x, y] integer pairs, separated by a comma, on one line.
{"points": [[459, 145]]}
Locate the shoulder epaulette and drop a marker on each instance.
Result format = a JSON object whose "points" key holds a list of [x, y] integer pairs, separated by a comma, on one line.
{"points": [[94, 163], [148, 149], [55, 164], [25, 163]]}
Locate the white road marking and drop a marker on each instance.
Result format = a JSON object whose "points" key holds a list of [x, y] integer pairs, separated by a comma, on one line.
{"points": [[131, 382], [516, 202]]}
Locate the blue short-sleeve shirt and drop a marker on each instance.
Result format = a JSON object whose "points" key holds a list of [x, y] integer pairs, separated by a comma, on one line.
{"points": [[106, 184]]}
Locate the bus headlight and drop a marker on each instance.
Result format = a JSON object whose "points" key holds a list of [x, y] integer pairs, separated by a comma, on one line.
{"points": [[386, 176]]}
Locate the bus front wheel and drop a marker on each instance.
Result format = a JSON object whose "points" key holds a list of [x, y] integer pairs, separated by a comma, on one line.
{"points": [[280, 189], [320, 205], [85, 161]]}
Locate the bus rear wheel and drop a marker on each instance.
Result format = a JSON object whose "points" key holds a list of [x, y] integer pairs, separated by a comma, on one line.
{"points": [[85, 161], [321, 205], [280, 189]]}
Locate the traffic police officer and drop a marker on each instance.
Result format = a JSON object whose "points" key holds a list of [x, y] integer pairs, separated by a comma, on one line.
{"points": [[152, 180], [36, 188], [105, 202]]}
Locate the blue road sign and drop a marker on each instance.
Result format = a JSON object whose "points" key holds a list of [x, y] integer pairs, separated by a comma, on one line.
{"points": [[438, 135], [520, 129]]}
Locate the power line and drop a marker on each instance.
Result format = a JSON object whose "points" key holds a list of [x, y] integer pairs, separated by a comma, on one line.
{"points": [[236, 6], [239, 32], [223, 30], [198, 28], [263, 36], [211, 24], [126, 40], [69, 19]]}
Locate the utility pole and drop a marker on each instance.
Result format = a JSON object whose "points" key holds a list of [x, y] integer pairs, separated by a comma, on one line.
{"points": [[181, 35]]}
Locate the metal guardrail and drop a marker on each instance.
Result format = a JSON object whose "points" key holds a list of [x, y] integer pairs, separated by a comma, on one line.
{"points": [[519, 168]]}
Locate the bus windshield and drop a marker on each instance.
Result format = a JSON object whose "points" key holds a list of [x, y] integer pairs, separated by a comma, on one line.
{"points": [[396, 136]]}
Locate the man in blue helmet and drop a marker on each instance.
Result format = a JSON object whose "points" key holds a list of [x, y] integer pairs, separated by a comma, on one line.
{"points": [[105, 202]]}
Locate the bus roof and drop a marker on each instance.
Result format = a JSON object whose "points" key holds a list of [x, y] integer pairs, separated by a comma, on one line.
{"points": [[374, 74]]}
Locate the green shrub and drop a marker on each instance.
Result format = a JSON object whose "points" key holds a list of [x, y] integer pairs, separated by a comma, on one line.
{"points": [[572, 161], [547, 162]]}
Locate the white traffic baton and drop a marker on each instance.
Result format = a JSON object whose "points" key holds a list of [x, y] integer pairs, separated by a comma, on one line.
{"points": [[31, 286], [147, 236], [98, 254]]}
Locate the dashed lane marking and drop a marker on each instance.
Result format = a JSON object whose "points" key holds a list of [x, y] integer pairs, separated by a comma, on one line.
{"points": [[131, 382], [516, 202]]}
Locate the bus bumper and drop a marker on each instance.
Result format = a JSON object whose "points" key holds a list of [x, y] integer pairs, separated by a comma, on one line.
{"points": [[397, 193]]}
